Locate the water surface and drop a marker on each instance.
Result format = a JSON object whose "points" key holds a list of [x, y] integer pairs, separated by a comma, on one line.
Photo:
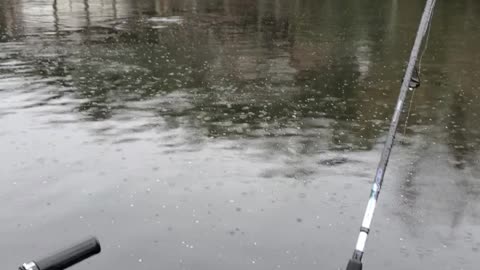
{"points": [[236, 134]]}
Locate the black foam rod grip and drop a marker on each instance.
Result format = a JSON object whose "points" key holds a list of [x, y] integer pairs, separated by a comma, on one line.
{"points": [[70, 256]]}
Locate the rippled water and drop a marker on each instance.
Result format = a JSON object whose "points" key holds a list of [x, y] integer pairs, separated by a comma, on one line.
{"points": [[197, 134]]}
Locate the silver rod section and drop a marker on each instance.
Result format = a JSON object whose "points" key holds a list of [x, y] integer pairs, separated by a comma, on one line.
{"points": [[377, 185]]}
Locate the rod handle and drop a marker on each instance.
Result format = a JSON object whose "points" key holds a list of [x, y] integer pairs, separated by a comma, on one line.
{"points": [[70, 256], [354, 264]]}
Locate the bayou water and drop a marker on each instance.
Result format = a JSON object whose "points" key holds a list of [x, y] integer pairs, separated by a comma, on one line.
{"points": [[237, 134]]}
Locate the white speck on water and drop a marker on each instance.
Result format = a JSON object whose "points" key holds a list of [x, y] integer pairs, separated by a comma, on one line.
{"points": [[231, 201], [140, 260]]}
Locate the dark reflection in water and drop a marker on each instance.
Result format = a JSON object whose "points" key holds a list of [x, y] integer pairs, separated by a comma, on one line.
{"points": [[245, 69], [276, 109]]}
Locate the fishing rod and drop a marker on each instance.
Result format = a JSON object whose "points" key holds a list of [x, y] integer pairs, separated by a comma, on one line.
{"points": [[66, 257], [355, 263]]}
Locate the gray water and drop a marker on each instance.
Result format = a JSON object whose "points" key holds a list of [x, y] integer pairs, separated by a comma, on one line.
{"points": [[235, 134]]}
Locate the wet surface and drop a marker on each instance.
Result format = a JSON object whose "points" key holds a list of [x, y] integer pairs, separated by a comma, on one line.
{"points": [[237, 134]]}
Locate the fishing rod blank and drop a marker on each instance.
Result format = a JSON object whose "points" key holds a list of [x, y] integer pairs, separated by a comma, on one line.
{"points": [[355, 262]]}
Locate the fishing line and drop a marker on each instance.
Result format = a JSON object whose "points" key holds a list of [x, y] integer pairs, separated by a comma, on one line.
{"points": [[427, 39], [405, 125]]}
